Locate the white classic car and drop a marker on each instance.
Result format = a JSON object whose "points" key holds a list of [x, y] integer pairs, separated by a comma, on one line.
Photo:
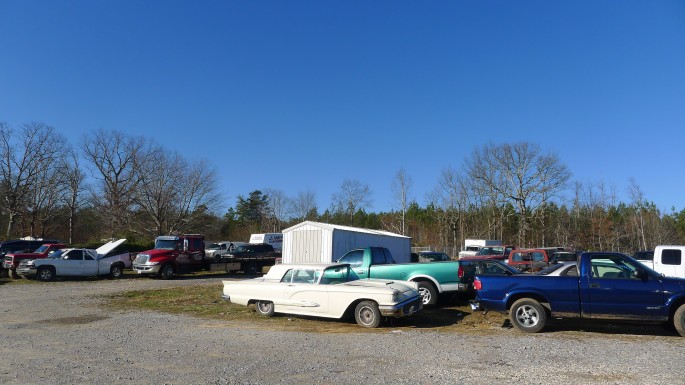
{"points": [[325, 290], [77, 262]]}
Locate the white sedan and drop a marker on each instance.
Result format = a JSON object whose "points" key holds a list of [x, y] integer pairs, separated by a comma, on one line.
{"points": [[325, 290]]}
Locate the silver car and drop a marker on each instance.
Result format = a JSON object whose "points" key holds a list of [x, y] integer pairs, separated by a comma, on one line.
{"points": [[561, 269]]}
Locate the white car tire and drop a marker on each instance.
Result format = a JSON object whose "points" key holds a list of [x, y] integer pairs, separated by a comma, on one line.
{"points": [[264, 308], [367, 314]]}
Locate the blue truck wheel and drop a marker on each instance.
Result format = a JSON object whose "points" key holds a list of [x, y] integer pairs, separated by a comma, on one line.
{"points": [[527, 315]]}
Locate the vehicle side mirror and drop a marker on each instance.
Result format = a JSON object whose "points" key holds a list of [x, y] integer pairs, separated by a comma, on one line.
{"points": [[641, 274]]}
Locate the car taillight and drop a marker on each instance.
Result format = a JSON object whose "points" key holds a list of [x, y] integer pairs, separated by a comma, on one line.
{"points": [[460, 272], [477, 284]]}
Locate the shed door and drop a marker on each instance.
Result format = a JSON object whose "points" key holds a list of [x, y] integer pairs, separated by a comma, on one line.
{"points": [[306, 246]]}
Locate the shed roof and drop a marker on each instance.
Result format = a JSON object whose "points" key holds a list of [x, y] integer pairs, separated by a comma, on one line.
{"points": [[329, 226]]}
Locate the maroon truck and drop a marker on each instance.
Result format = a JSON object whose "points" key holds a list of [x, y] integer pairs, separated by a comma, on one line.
{"points": [[499, 253], [528, 259], [173, 254], [11, 261]]}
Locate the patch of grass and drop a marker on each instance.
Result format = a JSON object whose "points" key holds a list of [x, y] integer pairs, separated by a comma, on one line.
{"points": [[197, 300], [204, 301]]}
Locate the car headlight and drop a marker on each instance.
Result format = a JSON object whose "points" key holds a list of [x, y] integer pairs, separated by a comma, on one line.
{"points": [[396, 296], [153, 263]]}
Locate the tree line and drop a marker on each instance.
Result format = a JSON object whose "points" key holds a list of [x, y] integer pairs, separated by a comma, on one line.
{"points": [[116, 185]]}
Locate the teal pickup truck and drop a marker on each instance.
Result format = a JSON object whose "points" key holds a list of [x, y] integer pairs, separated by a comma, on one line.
{"points": [[433, 278]]}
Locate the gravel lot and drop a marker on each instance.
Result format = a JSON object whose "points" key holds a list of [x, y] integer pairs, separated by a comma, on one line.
{"points": [[56, 333]]}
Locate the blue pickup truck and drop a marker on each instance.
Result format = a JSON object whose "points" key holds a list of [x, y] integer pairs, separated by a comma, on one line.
{"points": [[604, 286]]}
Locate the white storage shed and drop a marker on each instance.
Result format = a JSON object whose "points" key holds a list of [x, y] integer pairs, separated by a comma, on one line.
{"points": [[315, 242]]}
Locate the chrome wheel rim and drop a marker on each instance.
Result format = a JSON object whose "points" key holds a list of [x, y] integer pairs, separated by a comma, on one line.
{"points": [[366, 315], [425, 295], [527, 316]]}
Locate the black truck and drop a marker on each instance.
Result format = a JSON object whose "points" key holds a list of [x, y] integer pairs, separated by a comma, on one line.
{"points": [[249, 258]]}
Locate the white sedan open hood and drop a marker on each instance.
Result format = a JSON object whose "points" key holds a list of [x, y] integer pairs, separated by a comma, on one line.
{"points": [[109, 246]]}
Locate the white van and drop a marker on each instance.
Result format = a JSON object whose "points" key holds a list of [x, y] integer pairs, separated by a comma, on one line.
{"points": [[273, 239]]}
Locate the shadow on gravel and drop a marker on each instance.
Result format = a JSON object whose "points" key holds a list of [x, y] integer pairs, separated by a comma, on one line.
{"points": [[81, 320], [625, 329], [457, 307]]}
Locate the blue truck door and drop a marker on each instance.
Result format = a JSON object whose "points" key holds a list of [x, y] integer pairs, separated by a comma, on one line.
{"points": [[612, 291]]}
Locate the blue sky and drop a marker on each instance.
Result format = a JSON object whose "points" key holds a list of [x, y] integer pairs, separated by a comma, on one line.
{"points": [[300, 95]]}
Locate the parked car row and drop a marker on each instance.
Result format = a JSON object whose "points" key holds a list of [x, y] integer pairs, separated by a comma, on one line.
{"points": [[368, 284], [526, 260]]}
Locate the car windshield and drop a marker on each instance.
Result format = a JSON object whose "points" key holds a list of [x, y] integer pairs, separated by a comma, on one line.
{"points": [[434, 257], [644, 255], [246, 248], [166, 244], [56, 254], [213, 246], [494, 267], [564, 257], [41, 249], [338, 274], [491, 251]]}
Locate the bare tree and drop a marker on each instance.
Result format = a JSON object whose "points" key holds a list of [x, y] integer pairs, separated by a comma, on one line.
{"points": [[158, 188], [171, 191], [47, 192], [74, 180], [401, 186], [519, 174], [353, 196], [277, 209], [197, 192], [303, 206], [22, 162], [638, 199], [115, 160], [453, 197]]}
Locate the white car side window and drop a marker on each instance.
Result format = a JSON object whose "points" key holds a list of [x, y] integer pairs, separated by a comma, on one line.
{"points": [[288, 277]]}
